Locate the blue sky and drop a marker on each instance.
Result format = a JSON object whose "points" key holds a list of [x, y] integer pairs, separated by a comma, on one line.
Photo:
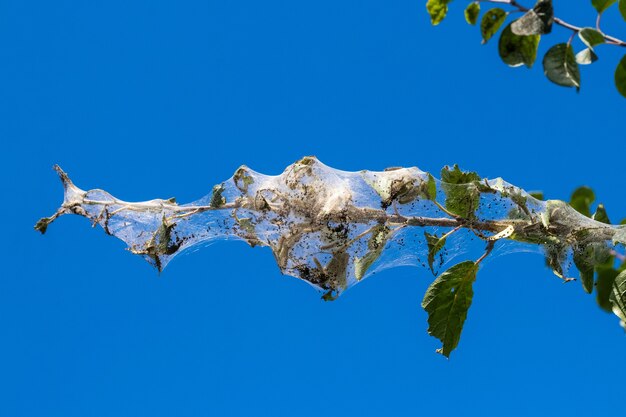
{"points": [[152, 99]]}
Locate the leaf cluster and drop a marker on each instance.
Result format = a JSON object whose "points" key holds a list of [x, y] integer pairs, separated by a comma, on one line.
{"points": [[519, 40]]}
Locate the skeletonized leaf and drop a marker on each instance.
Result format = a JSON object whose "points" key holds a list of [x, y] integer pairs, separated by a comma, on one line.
{"points": [[559, 65], [556, 254], [217, 199], [518, 50], [471, 13], [602, 5], [620, 76], [375, 245], [447, 301], [437, 9], [537, 21], [491, 22], [337, 268]]}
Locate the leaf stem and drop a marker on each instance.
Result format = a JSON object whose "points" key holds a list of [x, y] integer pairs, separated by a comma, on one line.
{"points": [[488, 250]]}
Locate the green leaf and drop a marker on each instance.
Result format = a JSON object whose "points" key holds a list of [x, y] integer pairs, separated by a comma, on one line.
{"points": [[587, 258], [430, 190], [491, 22], [604, 286], [435, 244], [378, 239], [620, 76], [591, 37], [618, 297], [559, 65], [471, 13], [586, 56], [537, 21], [538, 195], [447, 301], [602, 5], [437, 9], [455, 175], [600, 215], [581, 200], [518, 50], [622, 8], [462, 195]]}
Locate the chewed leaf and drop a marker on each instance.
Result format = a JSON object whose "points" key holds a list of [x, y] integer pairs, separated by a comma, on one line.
{"points": [[491, 22], [435, 244]]}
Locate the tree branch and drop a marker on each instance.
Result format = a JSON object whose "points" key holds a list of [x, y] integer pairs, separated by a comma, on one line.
{"points": [[513, 3]]}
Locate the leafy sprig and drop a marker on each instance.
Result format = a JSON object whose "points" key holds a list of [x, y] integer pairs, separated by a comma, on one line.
{"points": [[519, 40]]}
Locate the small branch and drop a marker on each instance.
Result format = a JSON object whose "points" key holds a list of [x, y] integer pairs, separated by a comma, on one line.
{"points": [[609, 39]]}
